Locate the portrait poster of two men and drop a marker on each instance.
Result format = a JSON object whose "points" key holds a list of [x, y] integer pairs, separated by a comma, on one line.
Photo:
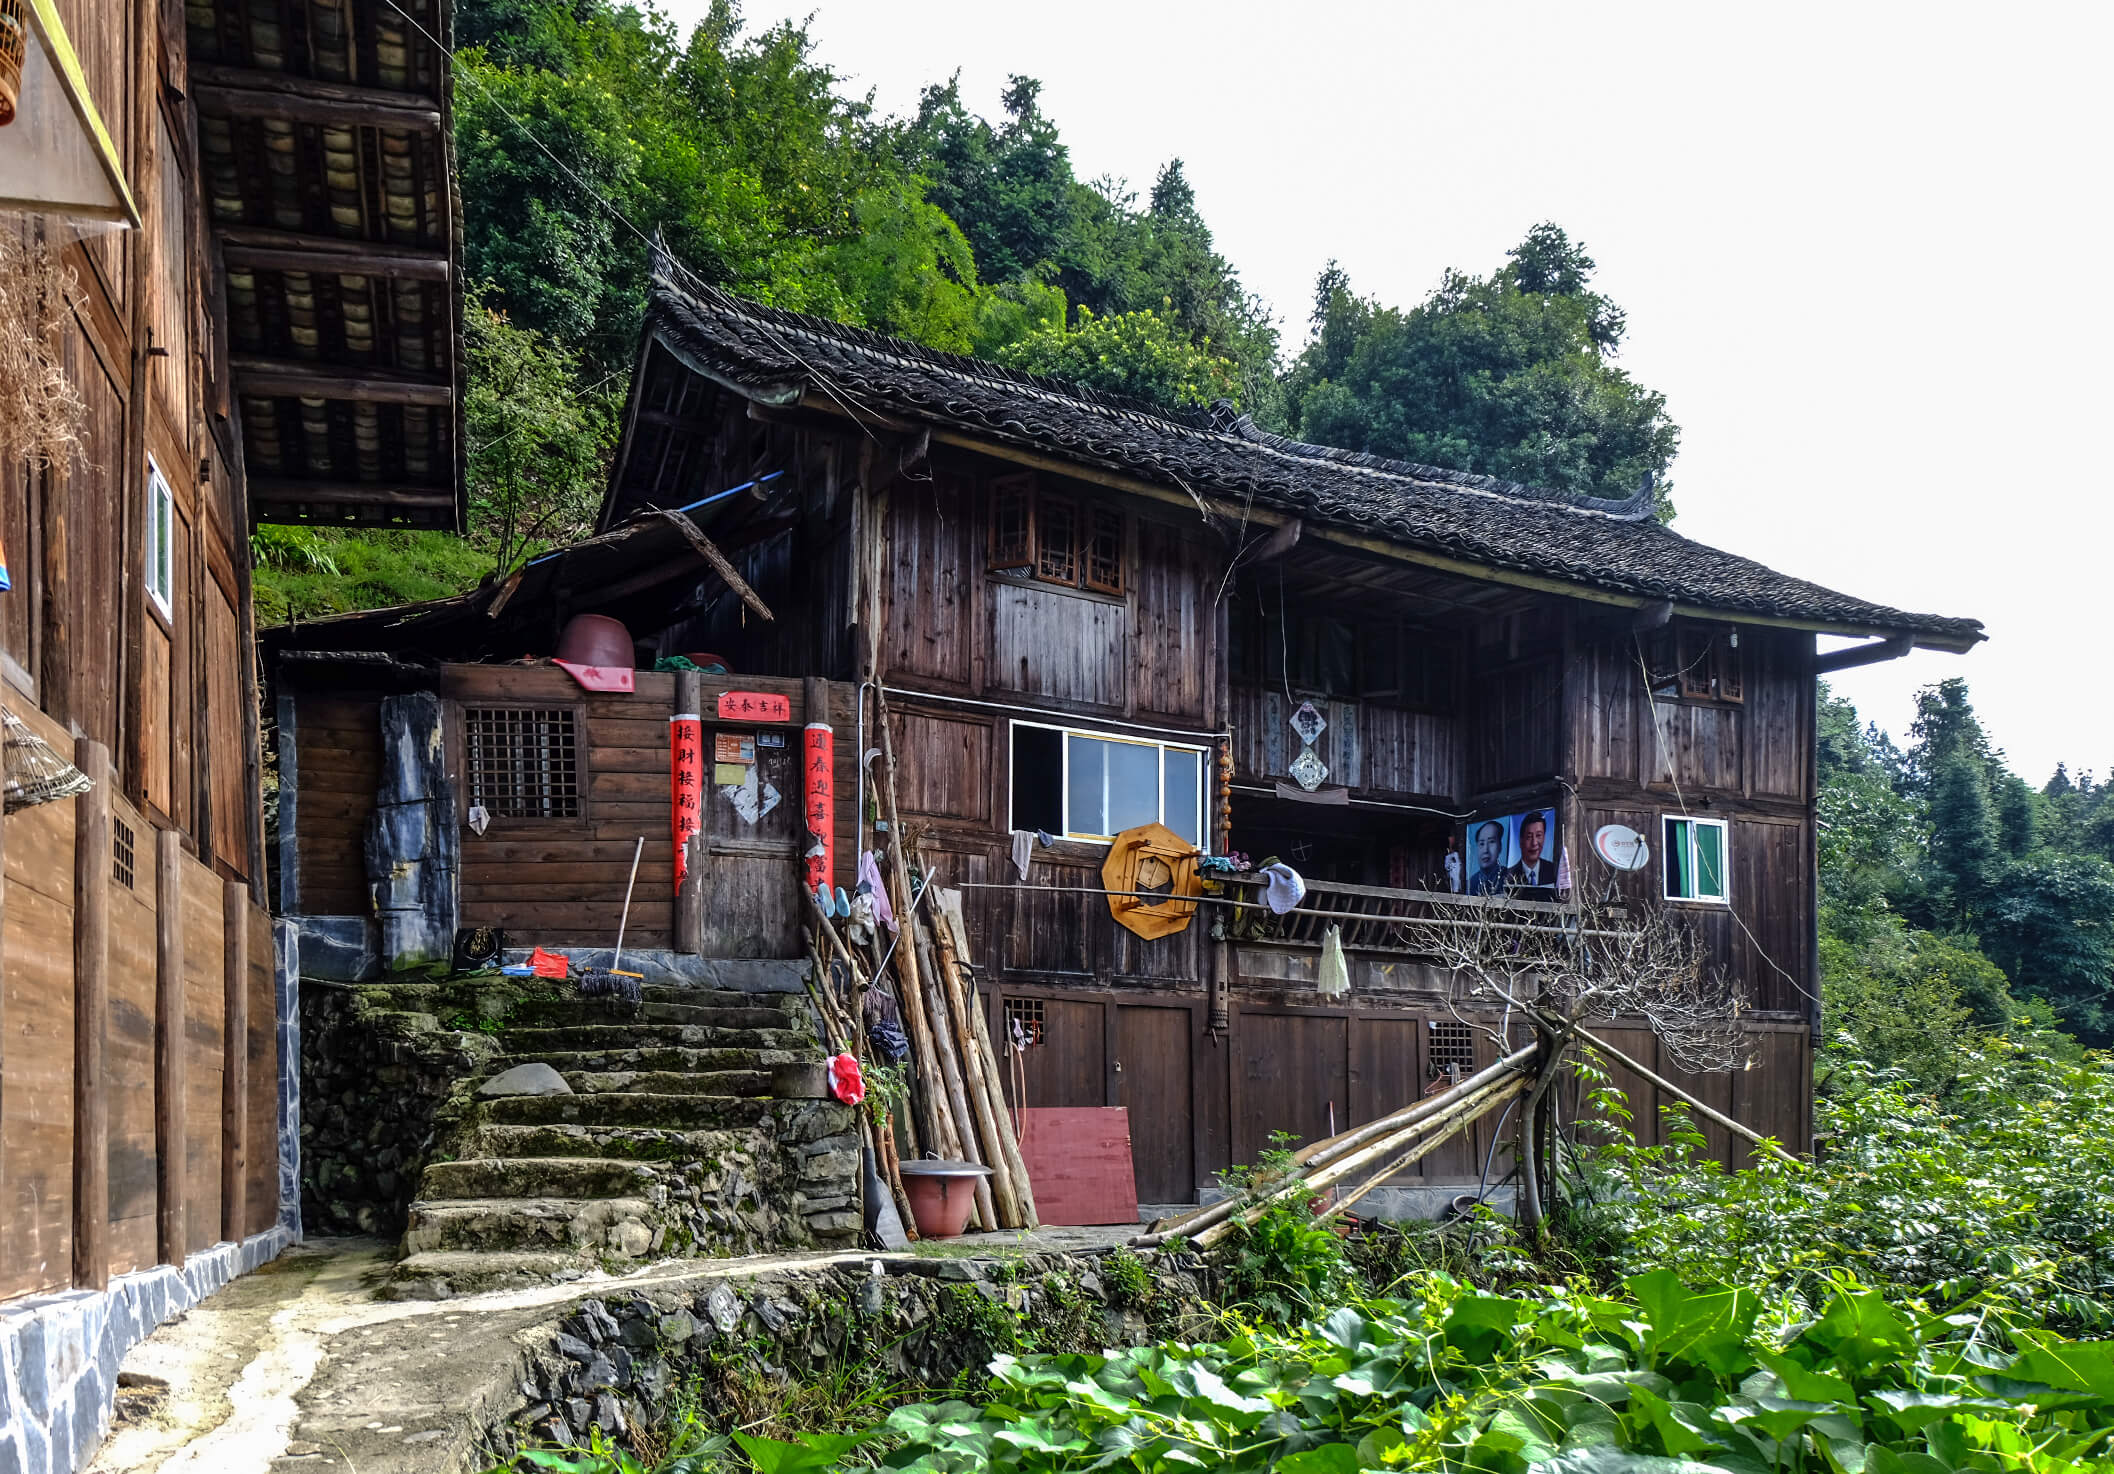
{"points": [[1514, 855]]}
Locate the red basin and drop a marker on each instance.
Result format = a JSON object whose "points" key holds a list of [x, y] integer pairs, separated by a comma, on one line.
{"points": [[942, 1195]]}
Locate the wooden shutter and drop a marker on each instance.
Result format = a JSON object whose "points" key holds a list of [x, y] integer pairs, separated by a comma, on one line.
{"points": [[1057, 540], [1013, 522], [1104, 550]]}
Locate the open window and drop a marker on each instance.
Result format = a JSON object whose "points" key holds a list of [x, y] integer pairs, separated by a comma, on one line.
{"points": [[1693, 661], [161, 541], [1095, 785], [1696, 853], [1054, 539]]}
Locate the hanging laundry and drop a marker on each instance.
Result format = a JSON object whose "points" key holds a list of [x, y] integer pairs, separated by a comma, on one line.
{"points": [[1334, 979], [870, 877], [1023, 850], [1285, 889]]}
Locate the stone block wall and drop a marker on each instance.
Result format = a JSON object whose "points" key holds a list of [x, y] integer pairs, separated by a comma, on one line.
{"points": [[377, 1063], [59, 1354], [745, 1345]]}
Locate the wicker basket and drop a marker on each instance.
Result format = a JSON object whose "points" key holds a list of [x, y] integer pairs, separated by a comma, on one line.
{"points": [[14, 43]]}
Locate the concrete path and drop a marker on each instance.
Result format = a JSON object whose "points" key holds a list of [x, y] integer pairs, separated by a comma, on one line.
{"points": [[299, 1368]]}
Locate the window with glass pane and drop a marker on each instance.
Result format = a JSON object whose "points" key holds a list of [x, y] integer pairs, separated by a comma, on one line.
{"points": [[1115, 784], [161, 539], [1694, 856], [1182, 792]]}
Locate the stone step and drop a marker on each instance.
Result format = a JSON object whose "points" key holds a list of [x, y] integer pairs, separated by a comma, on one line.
{"points": [[612, 1143], [629, 1108], [656, 1057], [601, 1037], [743, 1014], [612, 1227], [535, 1177], [442, 1274], [670, 1082], [765, 975]]}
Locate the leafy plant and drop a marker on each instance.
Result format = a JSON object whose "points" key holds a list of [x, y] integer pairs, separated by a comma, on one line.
{"points": [[1666, 1378]]}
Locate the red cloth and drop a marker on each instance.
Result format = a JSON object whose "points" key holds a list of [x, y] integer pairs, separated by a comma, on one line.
{"points": [[599, 677], [818, 776], [548, 964], [686, 787], [845, 1082]]}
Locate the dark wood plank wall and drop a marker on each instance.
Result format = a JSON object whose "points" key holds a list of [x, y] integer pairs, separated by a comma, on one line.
{"points": [[338, 757], [1638, 760], [561, 883], [128, 1052]]}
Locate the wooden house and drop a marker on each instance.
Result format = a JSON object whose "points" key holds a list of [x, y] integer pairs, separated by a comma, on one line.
{"points": [[277, 340], [1084, 613]]}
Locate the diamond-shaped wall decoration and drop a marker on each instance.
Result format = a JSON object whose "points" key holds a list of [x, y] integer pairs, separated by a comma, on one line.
{"points": [[1308, 723], [1308, 771]]}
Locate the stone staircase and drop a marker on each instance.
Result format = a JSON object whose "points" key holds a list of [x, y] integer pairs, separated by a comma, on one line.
{"points": [[669, 1145]]}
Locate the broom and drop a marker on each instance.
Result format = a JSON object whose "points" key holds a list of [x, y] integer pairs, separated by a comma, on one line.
{"points": [[613, 979]]}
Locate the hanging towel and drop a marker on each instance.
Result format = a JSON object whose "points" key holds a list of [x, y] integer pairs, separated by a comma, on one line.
{"points": [[1563, 868], [870, 875], [1335, 976], [1285, 888], [1023, 850]]}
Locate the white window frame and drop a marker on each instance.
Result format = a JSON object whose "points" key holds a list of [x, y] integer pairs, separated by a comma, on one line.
{"points": [[160, 572], [1724, 851], [1064, 767]]}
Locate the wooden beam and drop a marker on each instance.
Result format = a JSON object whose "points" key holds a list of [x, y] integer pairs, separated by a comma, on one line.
{"points": [[266, 490], [279, 378], [235, 1059], [246, 92], [1856, 655], [720, 565], [91, 1014], [169, 1046], [284, 250]]}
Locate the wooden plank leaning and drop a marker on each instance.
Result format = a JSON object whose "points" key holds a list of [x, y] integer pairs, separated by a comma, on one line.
{"points": [[91, 1013]]}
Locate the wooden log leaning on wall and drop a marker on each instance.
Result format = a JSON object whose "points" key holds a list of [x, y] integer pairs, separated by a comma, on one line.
{"points": [[169, 1071], [91, 1011], [235, 1066]]}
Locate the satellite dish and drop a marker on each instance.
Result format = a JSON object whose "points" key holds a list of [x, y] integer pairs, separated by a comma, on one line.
{"points": [[1622, 847]]}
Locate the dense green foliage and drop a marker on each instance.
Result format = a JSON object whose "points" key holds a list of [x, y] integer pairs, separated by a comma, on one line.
{"points": [[587, 130], [1508, 374], [1948, 882], [1663, 1378]]}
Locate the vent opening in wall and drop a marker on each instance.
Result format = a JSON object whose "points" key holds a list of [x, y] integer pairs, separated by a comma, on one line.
{"points": [[1024, 1022], [123, 848], [524, 762], [1452, 1050]]}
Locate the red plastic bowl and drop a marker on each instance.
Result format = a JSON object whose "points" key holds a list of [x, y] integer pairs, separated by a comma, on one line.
{"points": [[942, 1196]]}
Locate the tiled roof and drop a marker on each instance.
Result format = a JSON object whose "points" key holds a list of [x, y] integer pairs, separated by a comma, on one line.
{"points": [[778, 356]]}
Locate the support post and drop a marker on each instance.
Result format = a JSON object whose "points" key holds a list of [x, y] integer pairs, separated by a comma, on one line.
{"points": [[235, 1061], [91, 1011], [169, 1072]]}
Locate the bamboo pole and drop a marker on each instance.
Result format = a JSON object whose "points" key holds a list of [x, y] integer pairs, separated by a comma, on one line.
{"points": [[994, 1084], [953, 1076], [1011, 1192], [1390, 1131], [1424, 1147], [1420, 1137], [1652, 1078]]}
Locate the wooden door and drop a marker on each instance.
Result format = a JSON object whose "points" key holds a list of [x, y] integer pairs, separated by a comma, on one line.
{"points": [[1151, 1069], [1290, 1070]]}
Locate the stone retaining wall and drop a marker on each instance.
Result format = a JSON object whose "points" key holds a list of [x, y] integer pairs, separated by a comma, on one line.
{"points": [[749, 1346], [59, 1354], [377, 1063]]}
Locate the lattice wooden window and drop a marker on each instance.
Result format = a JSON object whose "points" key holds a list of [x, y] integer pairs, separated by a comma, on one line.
{"points": [[1104, 551], [524, 761], [124, 849], [1057, 540], [1695, 662], [1452, 1049], [1023, 1022], [1013, 523]]}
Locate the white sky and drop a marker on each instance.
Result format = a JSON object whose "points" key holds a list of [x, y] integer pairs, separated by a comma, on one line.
{"points": [[1860, 246]]}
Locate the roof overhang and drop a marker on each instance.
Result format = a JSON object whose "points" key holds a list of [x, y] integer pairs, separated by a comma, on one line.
{"points": [[56, 157]]}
